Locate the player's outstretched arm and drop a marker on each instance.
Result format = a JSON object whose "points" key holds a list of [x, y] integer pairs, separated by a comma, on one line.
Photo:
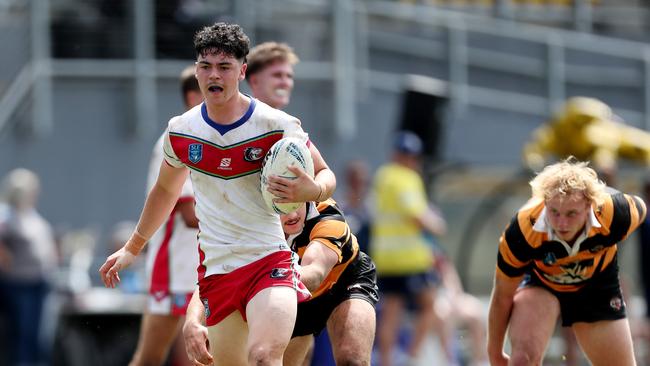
{"points": [[159, 204], [317, 262], [195, 334], [501, 303]]}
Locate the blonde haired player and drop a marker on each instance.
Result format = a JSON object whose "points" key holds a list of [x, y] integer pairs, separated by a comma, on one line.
{"points": [[247, 276], [270, 73], [558, 258], [171, 261]]}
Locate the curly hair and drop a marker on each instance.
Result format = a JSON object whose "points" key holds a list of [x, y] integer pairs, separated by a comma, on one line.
{"points": [[567, 177], [267, 53], [225, 38]]}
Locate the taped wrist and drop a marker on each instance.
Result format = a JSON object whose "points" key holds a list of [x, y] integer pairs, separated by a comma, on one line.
{"points": [[135, 243]]}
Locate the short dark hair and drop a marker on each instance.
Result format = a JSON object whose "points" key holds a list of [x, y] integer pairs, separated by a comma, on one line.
{"points": [[225, 38], [266, 53], [188, 81]]}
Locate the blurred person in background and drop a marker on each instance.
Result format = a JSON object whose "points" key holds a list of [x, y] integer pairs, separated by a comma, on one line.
{"points": [[172, 258], [458, 309], [355, 203], [28, 257], [558, 258], [403, 257], [270, 73]]}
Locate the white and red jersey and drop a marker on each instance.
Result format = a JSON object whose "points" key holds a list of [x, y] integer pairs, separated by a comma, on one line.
{"points": [[236, 227], [172, 256]]}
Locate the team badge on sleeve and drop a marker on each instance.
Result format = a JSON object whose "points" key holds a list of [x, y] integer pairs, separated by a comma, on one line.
{"points": [[195, 153]]}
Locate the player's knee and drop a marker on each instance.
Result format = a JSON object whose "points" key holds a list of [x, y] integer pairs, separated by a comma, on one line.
{"points": [[264, 354], [526, 357], [348, 356], [141, 358]]}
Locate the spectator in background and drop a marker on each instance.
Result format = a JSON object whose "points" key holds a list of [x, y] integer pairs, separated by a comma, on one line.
{"points": [[558, 258], [355, 204], [458, 307], [270, 73], [172, 259], [28, 256], [403, 257]]}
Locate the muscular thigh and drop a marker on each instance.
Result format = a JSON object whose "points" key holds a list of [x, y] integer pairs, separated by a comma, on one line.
{"points": [[606, 342], [228, 340], [271, 315], [351, 328], [534, 316]]}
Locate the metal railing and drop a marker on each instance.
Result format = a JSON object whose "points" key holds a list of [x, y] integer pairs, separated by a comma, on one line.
{"points": [[354, 27]]}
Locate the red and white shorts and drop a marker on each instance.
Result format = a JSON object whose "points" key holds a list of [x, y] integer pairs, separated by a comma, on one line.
{"points": [[222, 294]]}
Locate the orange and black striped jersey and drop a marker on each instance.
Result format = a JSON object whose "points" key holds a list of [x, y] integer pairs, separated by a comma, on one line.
{"points": [[329, 227], [525, 249]]}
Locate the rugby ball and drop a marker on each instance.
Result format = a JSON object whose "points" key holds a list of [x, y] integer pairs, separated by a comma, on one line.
{"points": [[286, 152]]}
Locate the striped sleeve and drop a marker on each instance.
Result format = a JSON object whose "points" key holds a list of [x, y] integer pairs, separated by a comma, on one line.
{"points": [[637, 211], [514, 251], [168, 151]]}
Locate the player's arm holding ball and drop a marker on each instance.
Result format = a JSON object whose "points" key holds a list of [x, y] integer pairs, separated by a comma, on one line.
{"points": [[305, 188]]}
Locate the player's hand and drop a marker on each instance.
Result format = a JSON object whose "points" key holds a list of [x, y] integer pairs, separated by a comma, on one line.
{"points": [[302, 188], [114, 263], [197, 345]]}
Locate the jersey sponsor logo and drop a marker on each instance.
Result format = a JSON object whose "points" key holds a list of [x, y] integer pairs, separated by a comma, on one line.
{"points": [[253, 154], [279, 273], [207, 307], [225, 164], [195, 153]]}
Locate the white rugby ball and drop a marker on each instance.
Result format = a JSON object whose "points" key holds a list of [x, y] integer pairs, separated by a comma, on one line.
{"points": [[284, 153]]}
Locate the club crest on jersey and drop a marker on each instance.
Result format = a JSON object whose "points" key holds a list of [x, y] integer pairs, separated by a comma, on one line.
{"points": [[253, 154], [550, 259], [195, 153]]}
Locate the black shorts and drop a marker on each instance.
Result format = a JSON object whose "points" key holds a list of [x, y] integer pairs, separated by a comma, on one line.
{"points": [[358, 281], [600, 299]]}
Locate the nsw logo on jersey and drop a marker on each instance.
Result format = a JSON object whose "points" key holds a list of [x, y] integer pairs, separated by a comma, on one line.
{"points": [[253, 154], [195, 153]]}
